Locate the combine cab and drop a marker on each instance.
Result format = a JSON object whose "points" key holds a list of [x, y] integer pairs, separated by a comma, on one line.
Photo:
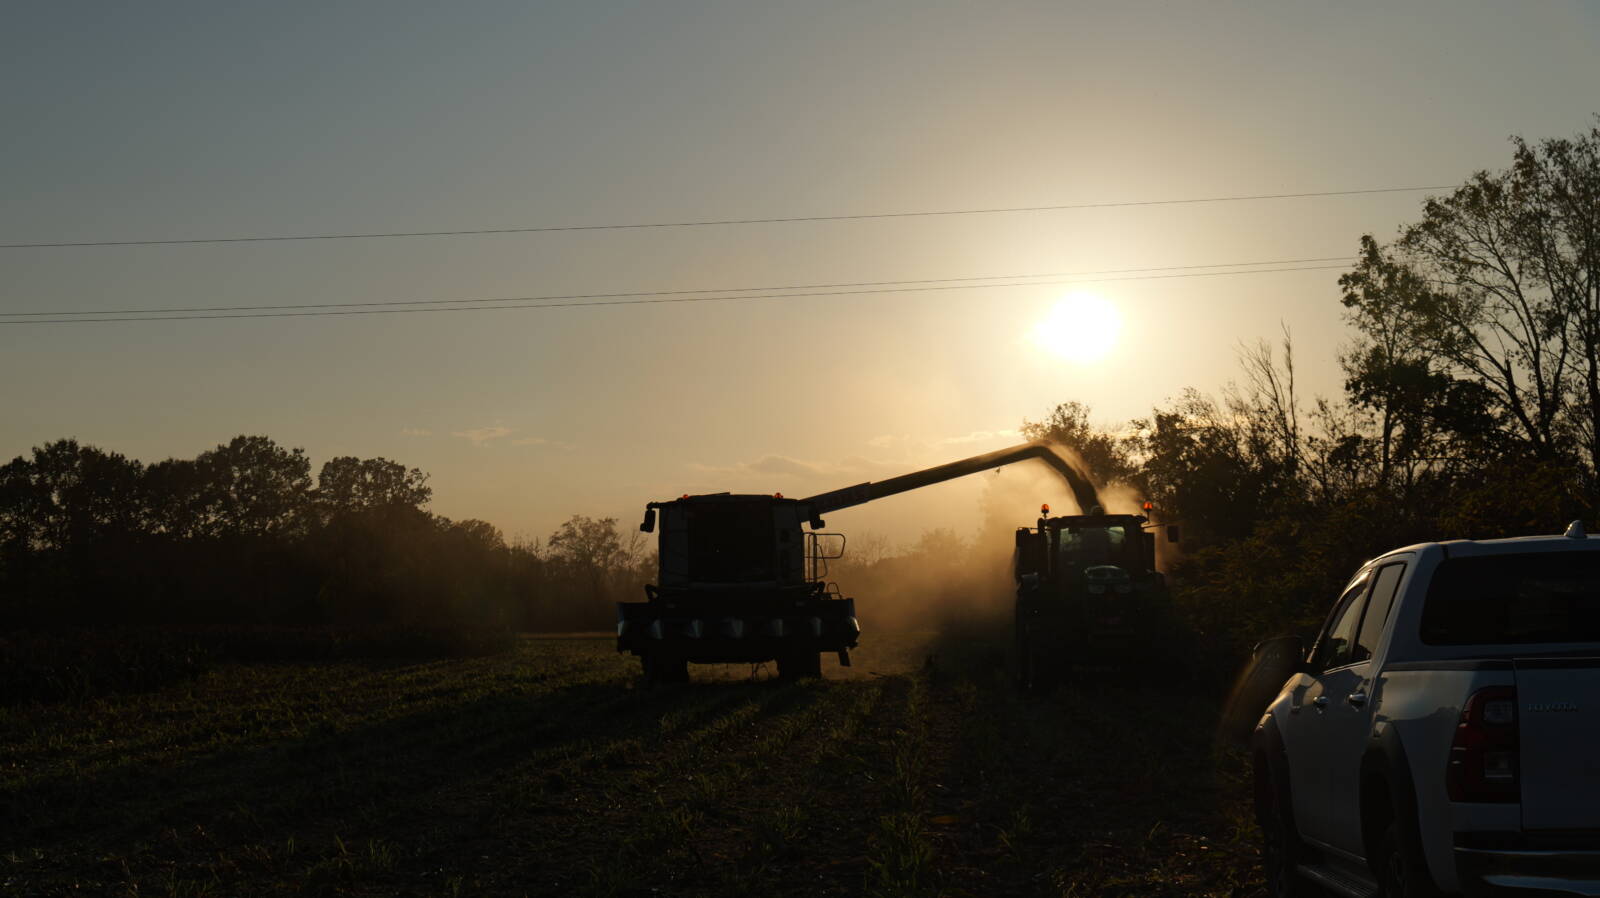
{"points": [[740, 581], [1088, 593]]}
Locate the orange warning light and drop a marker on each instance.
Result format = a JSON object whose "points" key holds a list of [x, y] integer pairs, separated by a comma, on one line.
{"points": [[684, 496], [1148, 505], [1044, 509], [777, 495]]}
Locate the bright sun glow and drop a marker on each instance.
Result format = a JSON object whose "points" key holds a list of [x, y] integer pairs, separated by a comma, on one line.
{"points": [[1082, 327]]}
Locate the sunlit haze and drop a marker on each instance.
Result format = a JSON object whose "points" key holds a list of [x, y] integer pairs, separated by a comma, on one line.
{"points": [[156, 122]]}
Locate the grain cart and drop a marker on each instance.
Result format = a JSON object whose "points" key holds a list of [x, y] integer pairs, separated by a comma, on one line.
{"points": [[1088, 593], [741, 580]]}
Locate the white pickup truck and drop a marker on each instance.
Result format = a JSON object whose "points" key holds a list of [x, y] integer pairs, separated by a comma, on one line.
{"points": [[1442, 735]]}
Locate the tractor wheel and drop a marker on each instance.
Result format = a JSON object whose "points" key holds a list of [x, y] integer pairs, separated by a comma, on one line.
{"points": [[1023, 672], [798, 665], [1036, 675]]}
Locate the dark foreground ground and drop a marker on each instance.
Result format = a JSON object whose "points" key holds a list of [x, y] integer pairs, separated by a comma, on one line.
{"points": [[549, 771]]}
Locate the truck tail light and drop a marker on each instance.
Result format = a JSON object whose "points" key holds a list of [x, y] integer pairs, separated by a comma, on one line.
{"points": [[1483, 756]]}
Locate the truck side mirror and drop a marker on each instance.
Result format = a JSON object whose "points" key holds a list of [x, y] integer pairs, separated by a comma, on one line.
{"points": [[1271, 665], [1172, 533], [649, 524], [1281, 648]]}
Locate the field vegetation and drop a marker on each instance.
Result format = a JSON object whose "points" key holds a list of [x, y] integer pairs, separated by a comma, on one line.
{"points": [[549, 770]]}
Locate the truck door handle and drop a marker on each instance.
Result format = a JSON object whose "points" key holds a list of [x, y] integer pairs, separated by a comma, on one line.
{"points": [[1357, 698], [1321, 702]]}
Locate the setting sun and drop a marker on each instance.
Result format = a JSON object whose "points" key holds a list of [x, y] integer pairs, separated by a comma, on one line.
{"points": [[1081, 327]]}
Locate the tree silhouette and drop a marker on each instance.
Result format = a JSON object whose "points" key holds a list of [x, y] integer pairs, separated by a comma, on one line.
{"points": [[348, 483]]}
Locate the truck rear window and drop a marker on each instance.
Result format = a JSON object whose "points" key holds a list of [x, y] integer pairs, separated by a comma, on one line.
{"points": [[1535, 597]]}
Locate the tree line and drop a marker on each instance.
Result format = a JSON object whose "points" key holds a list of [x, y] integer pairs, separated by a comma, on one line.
{"points": [[243, 534]]}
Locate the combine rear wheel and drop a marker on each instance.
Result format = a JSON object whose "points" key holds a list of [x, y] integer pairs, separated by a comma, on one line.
{"points": [[797, 665]]}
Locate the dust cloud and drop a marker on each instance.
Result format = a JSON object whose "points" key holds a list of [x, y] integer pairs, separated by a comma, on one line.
{"points": [[949, 583], [1119, 498]]}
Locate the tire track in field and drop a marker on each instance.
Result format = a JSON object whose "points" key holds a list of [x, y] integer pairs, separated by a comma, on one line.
{"points": [[561, 817], [1078, 794], [649, 829], [775, 831]]}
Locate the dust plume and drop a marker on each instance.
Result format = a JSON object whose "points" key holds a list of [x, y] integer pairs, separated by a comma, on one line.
{"points": [[956, 584]]}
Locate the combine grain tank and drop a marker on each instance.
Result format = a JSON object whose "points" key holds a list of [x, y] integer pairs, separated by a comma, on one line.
{"points": [[742, 580]]}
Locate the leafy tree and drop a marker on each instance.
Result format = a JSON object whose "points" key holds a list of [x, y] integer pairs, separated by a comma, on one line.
{"points": [[1209, 467], [1558, 238], [251, 487], [1499, 283], [1430, 422], [480, 534], [348, 483], [67, 495], [595, 558]]}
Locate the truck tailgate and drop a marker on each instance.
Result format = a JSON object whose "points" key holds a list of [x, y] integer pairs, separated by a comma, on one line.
{"points": [[1558, 711]]}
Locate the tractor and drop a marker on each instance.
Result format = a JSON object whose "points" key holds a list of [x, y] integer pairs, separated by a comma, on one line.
{"points": [[1088, 594]]}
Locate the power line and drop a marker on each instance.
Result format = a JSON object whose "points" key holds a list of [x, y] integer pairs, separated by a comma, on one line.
{"points": [[521, 303], [794, 219], [644, 293]]}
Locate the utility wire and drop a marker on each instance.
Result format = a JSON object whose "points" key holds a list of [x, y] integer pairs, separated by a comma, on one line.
{"points": [[578, 296], [521, 301], [726, 221]]}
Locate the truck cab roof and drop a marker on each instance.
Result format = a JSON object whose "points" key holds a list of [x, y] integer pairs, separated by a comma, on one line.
{"points": [[1457, 548]]}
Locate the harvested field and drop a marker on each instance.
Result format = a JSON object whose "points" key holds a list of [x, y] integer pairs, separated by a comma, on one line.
{"points": [[548, 770]]}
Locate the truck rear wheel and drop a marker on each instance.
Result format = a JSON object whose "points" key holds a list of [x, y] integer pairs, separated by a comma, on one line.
{"points": [[797, 665], [1280, 841], [1401, 873]]}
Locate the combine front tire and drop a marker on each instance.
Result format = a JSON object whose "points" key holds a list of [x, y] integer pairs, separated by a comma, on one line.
{"points": [[798, 665], [658, 669]]}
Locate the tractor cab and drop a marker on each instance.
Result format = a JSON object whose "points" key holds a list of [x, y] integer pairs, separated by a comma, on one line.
{"points": [[1093, 548]]}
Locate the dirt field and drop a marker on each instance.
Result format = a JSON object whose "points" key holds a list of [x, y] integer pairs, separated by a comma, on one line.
{"points": [[550, 771]]}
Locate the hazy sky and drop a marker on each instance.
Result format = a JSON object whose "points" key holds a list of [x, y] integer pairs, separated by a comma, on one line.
{"points": [[158, 121]]}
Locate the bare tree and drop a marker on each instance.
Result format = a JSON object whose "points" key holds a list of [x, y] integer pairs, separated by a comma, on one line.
{"points": [[1271, 398]]}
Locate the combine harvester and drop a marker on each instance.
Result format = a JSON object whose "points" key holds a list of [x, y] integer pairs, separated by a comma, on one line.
{"points": [[741, 581]]}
